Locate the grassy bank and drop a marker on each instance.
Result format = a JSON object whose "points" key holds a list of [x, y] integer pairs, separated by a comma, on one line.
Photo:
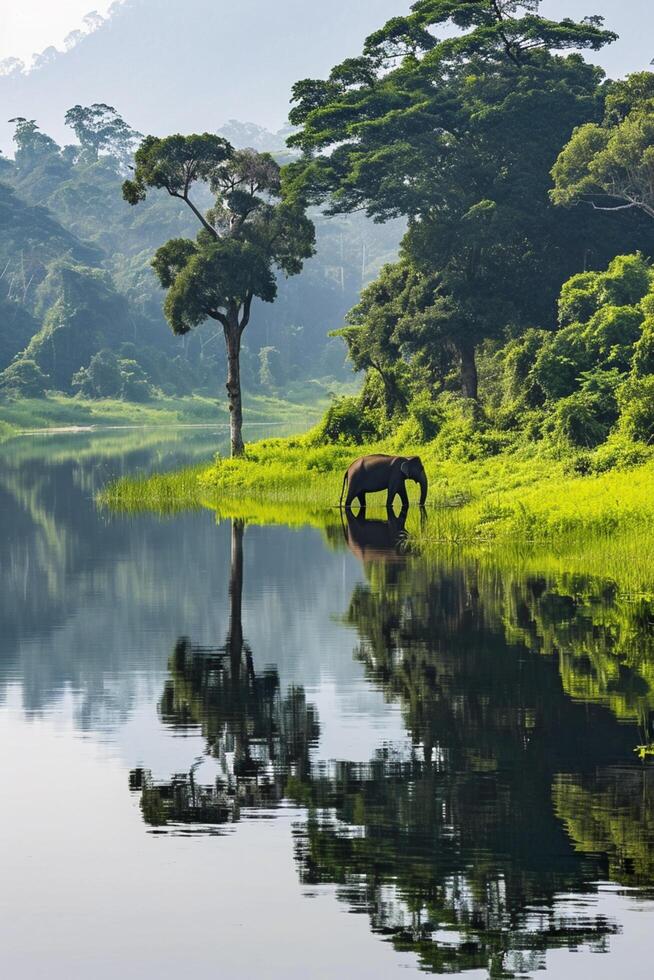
{"points": [[513, 500], [61, 411]]}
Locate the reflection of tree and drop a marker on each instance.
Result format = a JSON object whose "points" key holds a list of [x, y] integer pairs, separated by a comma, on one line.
{"points": [[259, 737], [603, 641], [460, 846], [457, 851], [611, 812]]}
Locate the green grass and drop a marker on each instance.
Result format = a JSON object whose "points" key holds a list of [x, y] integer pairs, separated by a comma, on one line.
{"points": [[518, 505]]}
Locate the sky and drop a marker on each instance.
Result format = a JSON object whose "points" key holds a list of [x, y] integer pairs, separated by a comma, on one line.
{"points": [[162, 80], [29, 26], [32, 25]]}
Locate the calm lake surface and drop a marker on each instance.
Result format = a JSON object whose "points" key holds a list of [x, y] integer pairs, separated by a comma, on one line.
{"points": [[260, 752]]}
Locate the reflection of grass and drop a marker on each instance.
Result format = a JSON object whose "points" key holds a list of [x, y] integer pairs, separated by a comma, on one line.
{"points": [[6, 430]]}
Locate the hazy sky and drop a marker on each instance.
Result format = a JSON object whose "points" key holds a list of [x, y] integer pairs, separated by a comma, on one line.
{"points": [[29, 26]]}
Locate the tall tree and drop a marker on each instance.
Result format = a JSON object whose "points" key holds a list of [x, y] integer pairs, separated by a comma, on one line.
{"points": [[248, 236], [452, 116], [100, 129], [31, 144]]}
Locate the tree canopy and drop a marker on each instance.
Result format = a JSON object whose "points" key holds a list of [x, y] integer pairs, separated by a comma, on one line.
{"points": [[611, 165], [440, 128]]}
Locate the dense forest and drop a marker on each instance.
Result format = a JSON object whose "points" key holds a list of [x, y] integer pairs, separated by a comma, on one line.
{"points": [[520, 307], [81, 307], [464, 210]]}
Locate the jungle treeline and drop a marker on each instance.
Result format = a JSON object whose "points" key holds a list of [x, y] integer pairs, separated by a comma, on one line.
{"points": [[464, 209]]}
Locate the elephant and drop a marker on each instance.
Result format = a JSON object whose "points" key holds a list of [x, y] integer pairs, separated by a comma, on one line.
{"points": [[369, 474]]}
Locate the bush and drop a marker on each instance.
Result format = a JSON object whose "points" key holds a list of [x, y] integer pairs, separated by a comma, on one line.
{"points": [[612, 333], [627, 280], [520, 354], [579, 298], [102, 377], [577, 419], [561, 361], [347, 421], [643, 360], [427, 415], [108, 376], [23, 378], [636, 403], [618, 452]]}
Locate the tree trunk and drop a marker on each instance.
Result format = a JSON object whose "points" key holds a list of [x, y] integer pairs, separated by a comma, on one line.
{"points": [[469, 385], [233, 340]]}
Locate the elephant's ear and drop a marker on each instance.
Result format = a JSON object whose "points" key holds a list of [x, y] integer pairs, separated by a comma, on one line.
{"points": [[404, 467]]}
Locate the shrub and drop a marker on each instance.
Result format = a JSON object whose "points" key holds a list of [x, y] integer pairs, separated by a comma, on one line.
{"points": [[346, 421], [427, 415], [579, 298], [23, 378], [102, 377], [561, 361], [577, 420], [518, 361], [643, 360], [612, 333], [618, 452], [636, 403], [626, 281]]}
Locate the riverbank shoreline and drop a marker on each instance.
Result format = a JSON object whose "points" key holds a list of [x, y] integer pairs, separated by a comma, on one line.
{"points": [[61, 414], [502, 502]]}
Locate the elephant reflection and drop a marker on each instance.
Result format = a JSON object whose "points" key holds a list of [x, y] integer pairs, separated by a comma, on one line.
{"points": [[259, 737], [376, 540]]}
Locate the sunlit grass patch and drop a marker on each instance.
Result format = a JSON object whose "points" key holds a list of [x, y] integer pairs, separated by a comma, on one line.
{"points": [[498, 505]]}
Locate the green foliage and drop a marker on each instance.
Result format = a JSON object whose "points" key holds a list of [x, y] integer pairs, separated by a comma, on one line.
{"points": [[636, 399], [576, 419], [626, 281], [109, 376], [271, 370], [346, 420], [610, 165], [435, 121], [23, 378], [643, 359]]}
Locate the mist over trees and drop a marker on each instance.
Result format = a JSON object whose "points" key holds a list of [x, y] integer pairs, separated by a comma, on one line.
{"points": [[68, 242]]}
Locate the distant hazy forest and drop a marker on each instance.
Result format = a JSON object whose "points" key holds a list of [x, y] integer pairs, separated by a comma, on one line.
{"points": [[77, 290]]}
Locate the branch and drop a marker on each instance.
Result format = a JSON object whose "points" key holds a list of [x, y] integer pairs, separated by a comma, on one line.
{"points": [[220, 317], [198, 214], [245, 319]]}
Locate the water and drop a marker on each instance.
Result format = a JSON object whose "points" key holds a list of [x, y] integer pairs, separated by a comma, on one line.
{"points": [[261, 752]]}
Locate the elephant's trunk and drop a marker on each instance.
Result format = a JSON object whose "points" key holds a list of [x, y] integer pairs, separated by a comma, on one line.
{"points": [[424, 486]]}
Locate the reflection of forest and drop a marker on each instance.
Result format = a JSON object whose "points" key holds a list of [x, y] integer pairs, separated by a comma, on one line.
{"points": [[259, 737], [461, 848]]}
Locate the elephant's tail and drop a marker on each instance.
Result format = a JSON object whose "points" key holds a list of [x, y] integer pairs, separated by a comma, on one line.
{"points": [[340, 503]]}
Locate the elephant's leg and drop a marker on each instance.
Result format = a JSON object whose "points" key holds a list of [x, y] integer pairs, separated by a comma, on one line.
{"points": [[390, 498], [362, 502], [404, 497], [350, 498]]}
